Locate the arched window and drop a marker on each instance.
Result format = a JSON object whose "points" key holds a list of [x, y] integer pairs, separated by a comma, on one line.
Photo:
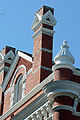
{"points": [[18, 85], [19, 88]]}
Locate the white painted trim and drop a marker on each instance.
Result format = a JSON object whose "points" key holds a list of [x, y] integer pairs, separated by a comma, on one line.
{"points": [[21, 66], [50, 15], [40, 110], [28, 96], [71, 67], [44, 31], [28, 58], [7, 91], [43, 49], [24, 77], [43, 67], [42, 19], [4, 68], [62, 87], [8, 76], [61, 107], [9, 54], [57, 66], [76, 72], [66, 107], [2, 58], [12, 67]]}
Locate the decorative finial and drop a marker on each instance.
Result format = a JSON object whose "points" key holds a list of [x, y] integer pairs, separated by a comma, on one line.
{"points": [[65, 42], [64, 55]]}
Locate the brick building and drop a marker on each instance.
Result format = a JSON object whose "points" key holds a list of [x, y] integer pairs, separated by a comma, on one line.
{"points": [[33, 87]]}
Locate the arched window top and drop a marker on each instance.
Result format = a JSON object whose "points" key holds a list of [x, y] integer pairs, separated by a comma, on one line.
{"points": [[23, 72], [19, 78]]}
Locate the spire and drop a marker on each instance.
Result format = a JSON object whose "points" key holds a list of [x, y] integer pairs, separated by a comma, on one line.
{"points": [[64, 55]]}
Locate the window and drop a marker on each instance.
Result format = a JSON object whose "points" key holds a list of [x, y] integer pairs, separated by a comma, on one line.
{"points": [[18, 89]]}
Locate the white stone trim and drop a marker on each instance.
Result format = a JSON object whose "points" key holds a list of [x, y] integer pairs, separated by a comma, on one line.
{"points": [[42, 19], [29, 72], [42, 111], [28, 96], [14, 90], [8, 76], [4, 68], [61, 107], [44, 31], [71, 67], [2, 58], [66, 107], [43, 67], [12, 67], [1, 69], [24, 77], [26, 57], [57, 66], [76, 100], [9, 54], [49, 15], [43, 49], [62, 87], [76, 72], [21, 66], [7, 91]]}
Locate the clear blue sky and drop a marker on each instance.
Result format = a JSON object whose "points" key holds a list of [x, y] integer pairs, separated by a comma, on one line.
{"points": [[16, 21]]}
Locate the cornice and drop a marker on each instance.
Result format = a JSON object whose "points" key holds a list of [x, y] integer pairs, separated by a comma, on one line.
{"points": [[68, 66], [62, 87]]}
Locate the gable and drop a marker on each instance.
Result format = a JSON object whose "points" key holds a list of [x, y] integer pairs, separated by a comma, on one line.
{"points": [[37, 18], [8, 58], [49, 16], [14, 66]]}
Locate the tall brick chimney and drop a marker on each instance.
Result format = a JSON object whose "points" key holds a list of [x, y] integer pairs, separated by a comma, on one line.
{"points": [[42, 26]]}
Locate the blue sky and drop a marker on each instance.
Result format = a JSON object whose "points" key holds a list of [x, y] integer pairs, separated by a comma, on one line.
{"points": [[16, 21]]}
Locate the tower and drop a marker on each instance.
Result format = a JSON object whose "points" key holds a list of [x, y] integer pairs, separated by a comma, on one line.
{"points": [[63, 91]]}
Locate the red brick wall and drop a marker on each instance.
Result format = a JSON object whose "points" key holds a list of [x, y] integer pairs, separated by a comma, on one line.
{"points": [[6, 102], [63, 74], [28, 65], [64, 115], [23, 106]]}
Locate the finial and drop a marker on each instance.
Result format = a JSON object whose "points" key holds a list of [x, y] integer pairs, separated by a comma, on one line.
{"points": [[64, 55], [65, 44]]}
